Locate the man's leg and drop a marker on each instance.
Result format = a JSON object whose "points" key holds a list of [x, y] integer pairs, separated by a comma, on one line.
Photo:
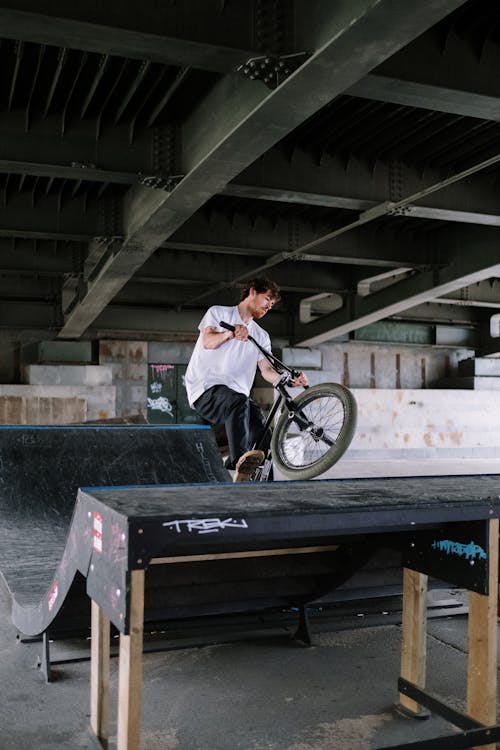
{"points": [[257, 421], [237, 426], [222, 405], [261, 439], [242, 422], [249, 461]]}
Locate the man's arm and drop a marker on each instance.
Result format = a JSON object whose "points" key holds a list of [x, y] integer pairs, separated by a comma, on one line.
{"points": [[213, 339], [270, 374], [268, 371]]}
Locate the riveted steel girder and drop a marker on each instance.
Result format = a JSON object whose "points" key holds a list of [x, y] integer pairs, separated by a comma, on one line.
{"points": [[468, 257], [239, 120], [192, 35]]}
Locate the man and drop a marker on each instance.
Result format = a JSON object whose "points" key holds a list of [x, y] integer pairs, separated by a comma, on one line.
{"points": [[222, 369]]}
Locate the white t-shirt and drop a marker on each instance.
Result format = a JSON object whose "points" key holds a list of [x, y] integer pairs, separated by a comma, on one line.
{"points": [[233, 364]]}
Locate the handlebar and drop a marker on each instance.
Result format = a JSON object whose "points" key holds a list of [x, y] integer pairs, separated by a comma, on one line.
{"points": [[278, 365]]}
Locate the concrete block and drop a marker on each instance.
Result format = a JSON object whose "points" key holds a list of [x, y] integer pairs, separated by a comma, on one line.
{"points": [[486, 383], [41, 410], [68, 375], [479, 366], [169, 351], [302, 358], [137, 372], [57, 351], [135, 352], [128, 361], [100, 400]]}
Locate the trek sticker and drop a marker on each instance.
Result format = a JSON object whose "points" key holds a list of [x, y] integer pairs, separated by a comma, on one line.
{"points": [[54, 591], [206, 525], [97, 532]]}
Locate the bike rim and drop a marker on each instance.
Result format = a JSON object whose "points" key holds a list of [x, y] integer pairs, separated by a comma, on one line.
{"points": [[301, 448]]}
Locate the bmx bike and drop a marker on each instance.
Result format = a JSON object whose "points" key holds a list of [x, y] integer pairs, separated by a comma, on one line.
{"points": [[310, 432]]}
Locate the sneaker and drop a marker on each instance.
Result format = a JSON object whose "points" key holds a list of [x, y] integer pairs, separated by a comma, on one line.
{"points": [[247, 464]]}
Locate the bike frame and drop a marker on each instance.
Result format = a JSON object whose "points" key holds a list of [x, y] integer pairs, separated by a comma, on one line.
{"points": [[284, 398], [307, 413]]}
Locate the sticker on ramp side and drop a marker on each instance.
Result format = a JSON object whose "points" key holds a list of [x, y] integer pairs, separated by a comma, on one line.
{"points": [[54, 591], [97, 532]]}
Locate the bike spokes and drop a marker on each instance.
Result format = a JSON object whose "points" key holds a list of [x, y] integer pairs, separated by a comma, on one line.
{"points": [[320, 423], [315, 432]]}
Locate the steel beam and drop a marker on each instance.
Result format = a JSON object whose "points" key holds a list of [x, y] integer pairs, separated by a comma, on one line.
{"points": [[74, 171], [393, 258], [436, 97], [381, 210], [472, 258], [357, 204], [38, 258], [357, 186], [197, 269], [117, 29], [48, 220], [239, 120], [444, 77], [33, 315], [79, 154]]}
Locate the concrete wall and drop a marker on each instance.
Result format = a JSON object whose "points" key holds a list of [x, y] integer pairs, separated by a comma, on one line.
{"points": [[398, 424], [357, 365], [123, 368], [362, 365]]}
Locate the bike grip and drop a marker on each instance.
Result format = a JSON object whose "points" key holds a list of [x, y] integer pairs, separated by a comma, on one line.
{"points": [[227, 326]]}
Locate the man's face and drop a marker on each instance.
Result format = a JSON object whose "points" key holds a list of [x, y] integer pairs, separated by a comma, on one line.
{"points": [[260, 302]]}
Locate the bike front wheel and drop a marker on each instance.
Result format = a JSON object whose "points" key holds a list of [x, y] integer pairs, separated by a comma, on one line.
{"points": [[311, 437]]}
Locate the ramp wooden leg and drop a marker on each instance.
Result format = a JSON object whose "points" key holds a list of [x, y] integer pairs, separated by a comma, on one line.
{"points": [[130, 670], [414, 634], [482, 660], [99, 675]]}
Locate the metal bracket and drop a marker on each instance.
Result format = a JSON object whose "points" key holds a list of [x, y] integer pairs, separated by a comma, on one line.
{"points": [[43, 662], [303, 632], [161, 182], [272, 69], [402, 211], [472, 734]]}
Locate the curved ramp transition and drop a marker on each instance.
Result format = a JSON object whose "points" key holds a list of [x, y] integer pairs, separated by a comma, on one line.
{"points": [[41, 469]]}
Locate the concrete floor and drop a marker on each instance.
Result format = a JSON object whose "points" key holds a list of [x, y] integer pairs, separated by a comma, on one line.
{"points": [[262, 693]]}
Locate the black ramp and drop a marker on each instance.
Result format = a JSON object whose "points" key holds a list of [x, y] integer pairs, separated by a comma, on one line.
{"points": [[183, 504], [117, 530], [41, 469], [442, 522]]}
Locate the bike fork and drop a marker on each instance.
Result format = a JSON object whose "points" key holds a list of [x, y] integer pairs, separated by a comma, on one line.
{"points": [[267, 425]]}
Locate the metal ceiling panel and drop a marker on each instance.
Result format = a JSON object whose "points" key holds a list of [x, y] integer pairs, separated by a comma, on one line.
{"points": [[254, 136]]}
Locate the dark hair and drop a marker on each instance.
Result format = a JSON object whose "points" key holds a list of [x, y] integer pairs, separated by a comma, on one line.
{"points": [[261, 285]]}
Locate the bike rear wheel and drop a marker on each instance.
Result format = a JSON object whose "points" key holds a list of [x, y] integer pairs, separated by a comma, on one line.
{"points": [[310, 438]]}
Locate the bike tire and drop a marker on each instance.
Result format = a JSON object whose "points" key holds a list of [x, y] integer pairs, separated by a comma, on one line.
{"points": [[297, 453]]}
